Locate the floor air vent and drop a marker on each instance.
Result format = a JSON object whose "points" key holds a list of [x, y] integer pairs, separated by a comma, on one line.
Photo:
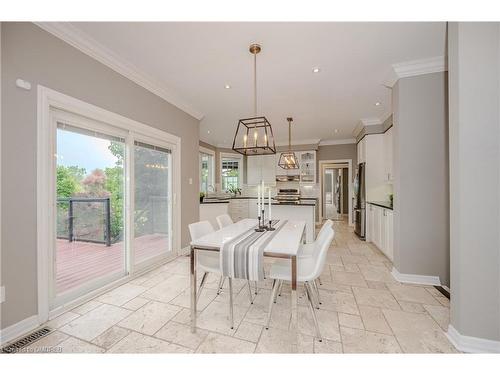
{"points": [[25, 341]]}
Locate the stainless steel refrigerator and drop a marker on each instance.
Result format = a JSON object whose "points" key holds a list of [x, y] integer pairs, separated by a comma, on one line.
{"points": [[360, 202]]}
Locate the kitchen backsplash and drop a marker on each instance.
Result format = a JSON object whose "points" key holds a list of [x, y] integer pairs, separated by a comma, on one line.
{"points": [[306, 190]]}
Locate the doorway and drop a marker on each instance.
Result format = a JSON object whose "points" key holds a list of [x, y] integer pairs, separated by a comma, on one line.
{"points": [[336, 194]]}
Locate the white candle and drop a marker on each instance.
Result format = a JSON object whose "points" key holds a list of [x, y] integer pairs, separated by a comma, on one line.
{"points": [[262, 197], [258, 200], [269, 214]]}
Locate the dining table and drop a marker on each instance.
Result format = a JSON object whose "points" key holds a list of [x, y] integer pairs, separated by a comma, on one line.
{"points": [[285, 244]]}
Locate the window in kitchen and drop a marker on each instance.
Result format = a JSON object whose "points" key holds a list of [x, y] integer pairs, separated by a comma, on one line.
{"points": [[230, 172], [207, 174]]}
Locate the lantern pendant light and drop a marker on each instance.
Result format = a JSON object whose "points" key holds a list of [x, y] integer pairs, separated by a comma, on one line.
{"points": [[288, 160], [254, 135]]}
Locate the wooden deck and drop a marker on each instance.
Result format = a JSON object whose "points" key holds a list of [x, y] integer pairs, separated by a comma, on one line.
{"points": [[78, 262]]}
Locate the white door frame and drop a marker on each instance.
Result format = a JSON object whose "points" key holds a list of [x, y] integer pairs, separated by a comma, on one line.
{"points": [[49, 99], [322, 163]]}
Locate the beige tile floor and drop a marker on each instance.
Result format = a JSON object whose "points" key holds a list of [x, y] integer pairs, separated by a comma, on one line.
{"points": [[364, 310]]}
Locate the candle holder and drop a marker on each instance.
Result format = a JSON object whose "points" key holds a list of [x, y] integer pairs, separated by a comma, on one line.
{"points": [[264, 226], [270, 227], [260, 227]]}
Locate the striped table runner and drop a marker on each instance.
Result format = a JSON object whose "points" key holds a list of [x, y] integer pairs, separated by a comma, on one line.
{"points": [[242, 256]]}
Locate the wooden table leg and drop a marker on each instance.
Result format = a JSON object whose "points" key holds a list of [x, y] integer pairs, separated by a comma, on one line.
{"points": [[193, 288], [294, 322]]}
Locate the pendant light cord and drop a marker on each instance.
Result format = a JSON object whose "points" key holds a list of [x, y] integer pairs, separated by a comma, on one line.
{"points": [[255, 84]]}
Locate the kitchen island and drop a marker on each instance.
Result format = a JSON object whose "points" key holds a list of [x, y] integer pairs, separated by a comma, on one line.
{"points": [[300, 210], [244, 207]]}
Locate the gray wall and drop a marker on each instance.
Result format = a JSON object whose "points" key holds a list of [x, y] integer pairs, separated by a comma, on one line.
{"points": [[421, 208], [337, 152], [474, 71], [34, 55]]}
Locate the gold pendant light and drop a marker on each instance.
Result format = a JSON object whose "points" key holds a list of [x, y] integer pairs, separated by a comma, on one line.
{"points": [[288, 160], [254, 135]]}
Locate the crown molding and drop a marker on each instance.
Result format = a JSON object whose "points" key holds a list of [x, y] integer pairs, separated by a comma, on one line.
{"points": [[83, 42], [331, 142], [415, 68], [370, 121]]}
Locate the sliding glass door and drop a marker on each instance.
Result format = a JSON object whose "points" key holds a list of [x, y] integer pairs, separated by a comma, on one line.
{"points": [[113, 205], [90, 182], [152, 202]]}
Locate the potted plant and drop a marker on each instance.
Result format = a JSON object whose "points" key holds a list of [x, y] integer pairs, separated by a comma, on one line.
{"points": [[202, 195], [234, 190]]}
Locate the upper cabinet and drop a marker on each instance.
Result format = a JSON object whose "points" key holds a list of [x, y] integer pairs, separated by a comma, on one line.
{"points": [[388, 156], [261, 168], [376, 151], [307, 163], [362, 151], [307, 167]]}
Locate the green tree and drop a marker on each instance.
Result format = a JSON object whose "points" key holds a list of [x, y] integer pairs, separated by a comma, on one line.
{"points": [[68, 180], [114, 186]]}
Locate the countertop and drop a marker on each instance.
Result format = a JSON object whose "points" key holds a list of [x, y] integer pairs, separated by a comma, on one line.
{"points": [[302, 202], [248, 197], [215, 201], [387, 205]]}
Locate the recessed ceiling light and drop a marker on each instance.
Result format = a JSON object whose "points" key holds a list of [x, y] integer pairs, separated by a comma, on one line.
{"points": [[377, 104], [336, 131], [227, 86], [208, 131], [316, 70]]}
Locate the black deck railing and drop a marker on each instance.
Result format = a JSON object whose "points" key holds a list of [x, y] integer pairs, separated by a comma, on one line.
{"points": [[71, 218]]}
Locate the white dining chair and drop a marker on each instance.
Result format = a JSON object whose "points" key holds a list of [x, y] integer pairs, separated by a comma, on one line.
{"points": [[224, 220], [306, 250], [309, 268], [209, 262]]}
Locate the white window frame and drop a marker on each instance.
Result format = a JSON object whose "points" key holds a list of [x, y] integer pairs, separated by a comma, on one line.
{"points": [[48, 100], [229, 155], [211, 176]]}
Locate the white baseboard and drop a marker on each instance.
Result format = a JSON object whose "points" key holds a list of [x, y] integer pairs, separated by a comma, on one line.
{"points": [[415, 279], [184, 251], [18, 329], [470, 344]]}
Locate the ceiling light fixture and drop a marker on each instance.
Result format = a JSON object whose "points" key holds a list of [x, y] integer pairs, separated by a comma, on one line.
{"points": [[377, 104], [336, 131], [288, 160], [262, 138], [316, 70], [227, 86]]}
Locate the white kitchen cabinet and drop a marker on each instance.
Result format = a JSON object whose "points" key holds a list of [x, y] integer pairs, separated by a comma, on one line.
{"points": [[260, 168], [380, 228], [370, 218], [307, 163], [375, 182], [377, 226], [388, 156], [389, 234], [238, 209], [361, 148]]}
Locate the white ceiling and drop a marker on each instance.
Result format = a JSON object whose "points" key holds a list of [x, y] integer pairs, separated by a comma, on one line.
{"points": [[196, 60]]}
